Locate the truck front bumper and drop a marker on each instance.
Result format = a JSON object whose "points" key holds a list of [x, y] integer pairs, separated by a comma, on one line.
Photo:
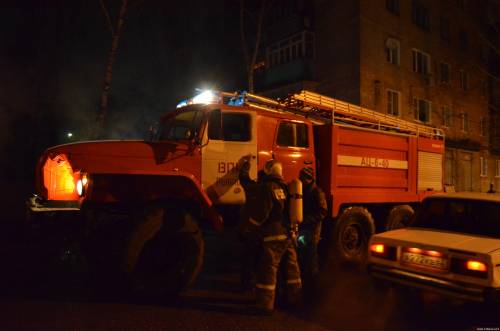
{"points": [[460, 290], [36, 204]]}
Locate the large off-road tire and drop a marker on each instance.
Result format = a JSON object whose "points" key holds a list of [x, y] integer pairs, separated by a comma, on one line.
{"points": [[351, 234], [165, 253], [399, 217]]}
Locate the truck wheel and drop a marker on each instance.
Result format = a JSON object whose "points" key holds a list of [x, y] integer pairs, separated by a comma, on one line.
{"points": [[399, 217], [165, 253], [351, 234]]}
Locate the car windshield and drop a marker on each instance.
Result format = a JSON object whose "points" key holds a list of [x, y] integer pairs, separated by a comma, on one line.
{"points": [[461, 215], [182, 126]]}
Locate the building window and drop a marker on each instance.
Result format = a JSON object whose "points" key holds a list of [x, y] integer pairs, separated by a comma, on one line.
{"points": [[392, 51], [444, 28], [392, 6], [422, 110], [483, 52], [484, 167], [300, 45], [465, 122], [393, 102], [420, 15], [463, 40], [464, 80], [447, 117], [484, 88], [483, 124], [444, 73], [497, 169], [421, 62]]}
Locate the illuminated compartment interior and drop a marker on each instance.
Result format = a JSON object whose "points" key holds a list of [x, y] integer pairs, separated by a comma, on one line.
{"points": [[58, 179]]}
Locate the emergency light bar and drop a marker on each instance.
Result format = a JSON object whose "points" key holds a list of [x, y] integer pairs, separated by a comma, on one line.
{"points": [[206, 97]]}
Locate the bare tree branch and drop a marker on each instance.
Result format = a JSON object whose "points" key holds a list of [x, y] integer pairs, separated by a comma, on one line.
{"points": [[242, 33], [108, 18], [108, 77]]}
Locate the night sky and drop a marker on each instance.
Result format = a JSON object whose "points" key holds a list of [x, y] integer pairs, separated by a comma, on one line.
{"points": [[53, 58]]}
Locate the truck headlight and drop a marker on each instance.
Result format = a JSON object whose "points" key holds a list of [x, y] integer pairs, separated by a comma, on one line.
{"points": [[81, 185]]}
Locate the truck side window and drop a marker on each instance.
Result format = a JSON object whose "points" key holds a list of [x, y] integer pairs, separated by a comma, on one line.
{"points": [[215, 125], [292, 134], [236, 127]]}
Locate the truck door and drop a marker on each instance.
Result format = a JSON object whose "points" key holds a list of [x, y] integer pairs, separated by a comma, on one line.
{"points": [[294, 147], [231, 135]]}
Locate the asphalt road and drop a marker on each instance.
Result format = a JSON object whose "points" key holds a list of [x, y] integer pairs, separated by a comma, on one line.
{"points": [[345, 298]]}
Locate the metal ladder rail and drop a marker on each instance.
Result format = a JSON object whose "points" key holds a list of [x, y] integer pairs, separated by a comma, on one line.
{"points": [[332, 105]]}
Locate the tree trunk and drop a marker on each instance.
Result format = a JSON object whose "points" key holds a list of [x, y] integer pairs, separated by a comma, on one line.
{"points": [[108, 77], [250, 61]]}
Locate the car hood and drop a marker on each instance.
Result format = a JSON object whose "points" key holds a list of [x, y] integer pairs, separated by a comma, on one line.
{"points": [[436, 238]]}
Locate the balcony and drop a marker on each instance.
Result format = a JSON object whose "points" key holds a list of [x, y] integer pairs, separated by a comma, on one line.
{"points": [[286, 73]]}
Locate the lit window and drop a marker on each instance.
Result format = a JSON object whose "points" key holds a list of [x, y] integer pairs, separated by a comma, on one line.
{"points": [[465, 122], [422, 110], [483, 126], [392, 51], [484, 167], [421, 62], [464, 80], [444, 73], [420, 15], [447, 116], [393, 102]]}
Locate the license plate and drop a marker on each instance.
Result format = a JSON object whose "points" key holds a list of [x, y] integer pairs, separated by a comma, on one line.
{"points": [[424, 260]]}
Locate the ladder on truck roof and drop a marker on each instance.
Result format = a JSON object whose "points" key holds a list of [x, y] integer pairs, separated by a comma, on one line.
{"points": [[329, 110]]}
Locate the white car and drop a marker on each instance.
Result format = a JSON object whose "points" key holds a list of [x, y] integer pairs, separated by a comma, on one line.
{"points": [[453, 247]]}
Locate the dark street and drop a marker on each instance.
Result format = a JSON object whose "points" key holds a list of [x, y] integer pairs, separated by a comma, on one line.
{"points": [[345, 298]]}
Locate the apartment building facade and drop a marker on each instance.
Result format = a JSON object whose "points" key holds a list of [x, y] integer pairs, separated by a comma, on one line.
{"points": [[420, 60]]}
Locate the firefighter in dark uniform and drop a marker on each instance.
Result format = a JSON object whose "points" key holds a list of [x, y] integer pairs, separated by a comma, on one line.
{"points": [[277, 245], [248, 228], [314, 210]]}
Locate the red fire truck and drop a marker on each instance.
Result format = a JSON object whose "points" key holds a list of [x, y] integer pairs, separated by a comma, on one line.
{"points": [[139, 205]]}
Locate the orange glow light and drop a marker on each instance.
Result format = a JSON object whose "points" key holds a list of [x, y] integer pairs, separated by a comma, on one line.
{"points": [[377, 248], [414, 250], [58, 179], [476, 266], [434, 253]]}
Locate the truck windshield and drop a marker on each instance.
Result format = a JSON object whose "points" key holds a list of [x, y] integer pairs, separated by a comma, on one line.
{"points": [[182, 126], [461, 215]]}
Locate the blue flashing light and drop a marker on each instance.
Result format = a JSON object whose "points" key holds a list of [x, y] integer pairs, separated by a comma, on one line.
{"points": [[183, 103]]}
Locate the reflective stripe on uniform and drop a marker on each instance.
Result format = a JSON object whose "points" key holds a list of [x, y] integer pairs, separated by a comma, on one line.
{"points": [[294, 281], [265, 287], [254, 222], [275, 238]]}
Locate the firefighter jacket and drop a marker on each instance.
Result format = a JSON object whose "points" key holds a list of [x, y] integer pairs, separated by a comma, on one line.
{"points": [[314, 208], [275, 224], [266, 207], [255, 208]]}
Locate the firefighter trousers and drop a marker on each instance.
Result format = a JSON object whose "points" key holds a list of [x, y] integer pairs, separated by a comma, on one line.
{"points": [[274, 253]]}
